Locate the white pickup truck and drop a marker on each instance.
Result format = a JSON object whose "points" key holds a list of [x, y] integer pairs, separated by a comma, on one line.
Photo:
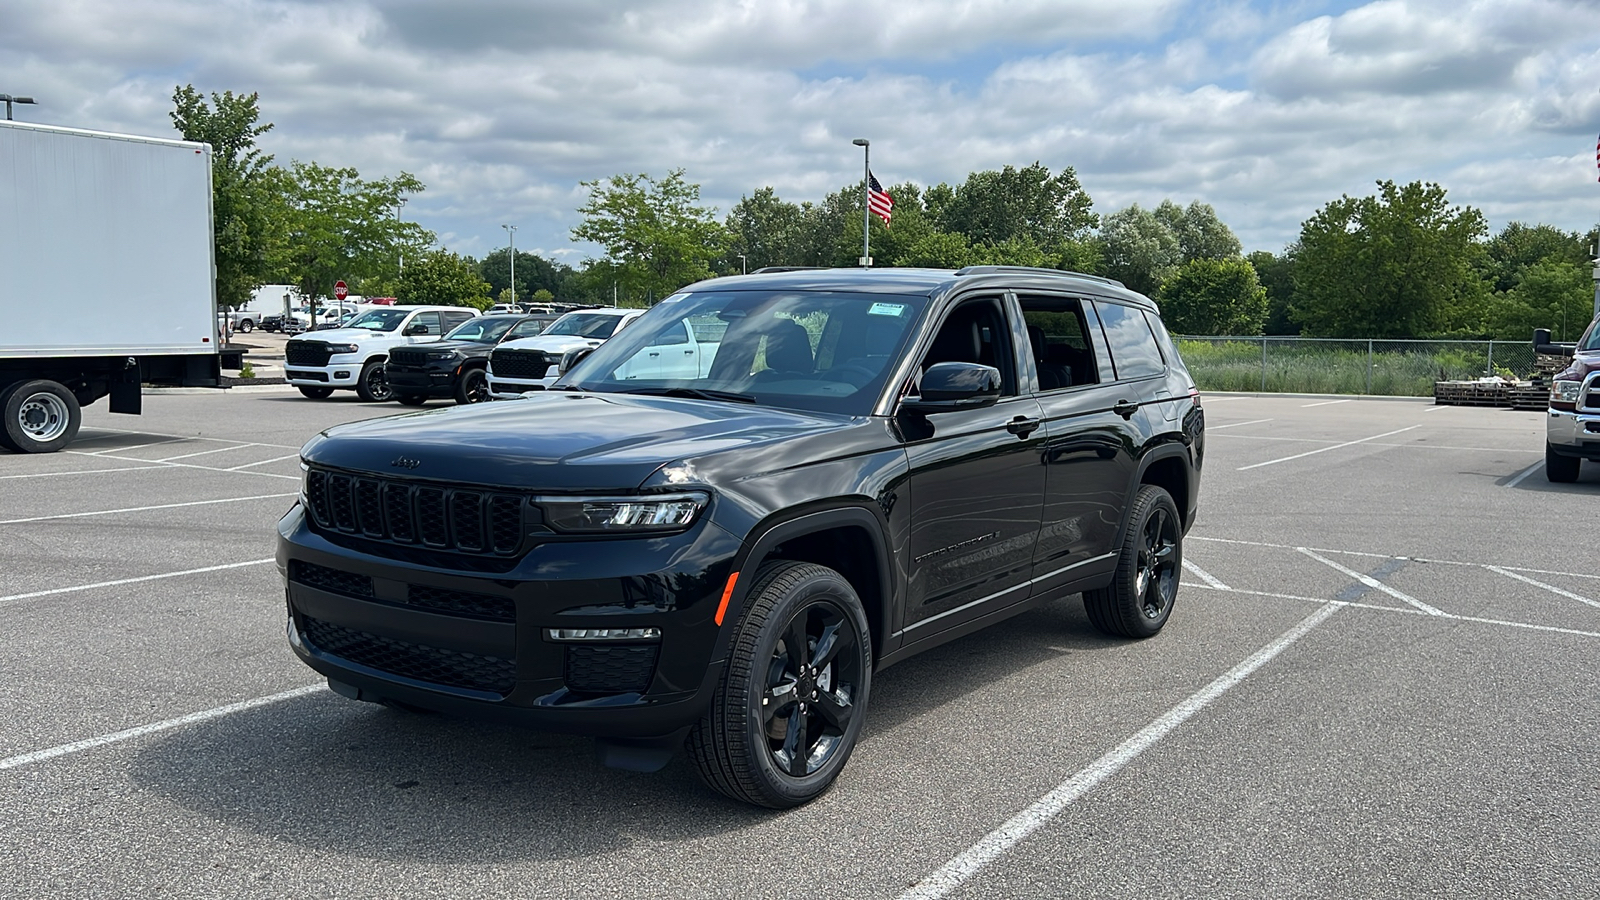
{"points": [[352, 358]]}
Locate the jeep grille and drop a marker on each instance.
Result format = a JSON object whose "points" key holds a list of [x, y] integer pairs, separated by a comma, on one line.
{"points": [[459, 519]]}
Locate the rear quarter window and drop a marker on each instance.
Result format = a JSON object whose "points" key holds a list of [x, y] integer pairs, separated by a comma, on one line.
{"points": [[1134, 351]]}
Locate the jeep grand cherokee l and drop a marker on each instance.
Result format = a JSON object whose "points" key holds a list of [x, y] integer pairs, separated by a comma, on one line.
{"points": [[875, 462]]}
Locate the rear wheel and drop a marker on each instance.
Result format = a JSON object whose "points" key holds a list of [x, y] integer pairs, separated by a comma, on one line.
{"points": [[316, 393], [39, 416], [472, 386], [373, 385], [1139, 599], [245, 326], [1560, 469], [791, 702]]}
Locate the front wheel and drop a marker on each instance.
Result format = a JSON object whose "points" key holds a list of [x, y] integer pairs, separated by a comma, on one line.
{"points": [[373, 385], [472, 387], [1560, 469], [40, 416], [1139, 599], [790, 705]]}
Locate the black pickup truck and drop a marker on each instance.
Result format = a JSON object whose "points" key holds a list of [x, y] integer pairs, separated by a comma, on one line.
{"points": [[876, 461]]}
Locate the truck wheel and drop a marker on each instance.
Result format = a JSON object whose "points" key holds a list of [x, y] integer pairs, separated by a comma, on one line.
{"points": [[1560, 469], [373, 385], [1140, 597], [472, 387], [316, 393], [39, 416], [792, 700], [246, 326]]}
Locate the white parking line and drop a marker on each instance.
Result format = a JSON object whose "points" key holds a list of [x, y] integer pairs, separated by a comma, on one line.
{"points": [[1203, 575], [154, 727], [81, 472], [263, 462], [178, 465], [204, 452], [181, 437], [1373, 583], [133, 509], [1539, 584], [1421, 559], [1323, 403], [1326, 449], [1525, 473], [176, 440], [121, 581], [1236, 424], [997, 842]]}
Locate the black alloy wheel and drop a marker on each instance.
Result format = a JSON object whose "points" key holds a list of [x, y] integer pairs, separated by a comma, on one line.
{"points": [[790, 706], [373, 385], [1140, 597], [472, 387], [316, 393]]}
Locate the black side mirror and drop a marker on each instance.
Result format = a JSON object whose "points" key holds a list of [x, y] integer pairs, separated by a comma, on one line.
{"points": [[573, 357], [951, 386]]}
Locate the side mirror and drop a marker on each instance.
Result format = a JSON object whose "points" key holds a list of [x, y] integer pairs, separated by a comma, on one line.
{"points": [[416, 329], [573, 357], [952, 386]]}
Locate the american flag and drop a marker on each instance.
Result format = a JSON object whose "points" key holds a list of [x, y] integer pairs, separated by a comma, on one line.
{"points": [[880, 203], [1596, 159]]}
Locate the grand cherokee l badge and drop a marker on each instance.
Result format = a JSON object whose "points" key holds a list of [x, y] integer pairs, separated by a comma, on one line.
{"points": [[405, 462]]}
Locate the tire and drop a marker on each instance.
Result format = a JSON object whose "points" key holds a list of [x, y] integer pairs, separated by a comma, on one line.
{"points": [[316, 393], [38, 416], [472, 387], [246, 326], [373, 385], [1560, 469], [1142, 591], [410, 399], [746, 745]]}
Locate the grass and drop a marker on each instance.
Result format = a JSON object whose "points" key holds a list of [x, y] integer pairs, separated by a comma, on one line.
{"points": [[1397, 368]]}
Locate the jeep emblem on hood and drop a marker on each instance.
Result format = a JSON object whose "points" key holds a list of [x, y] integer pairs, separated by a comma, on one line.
{"points": [[405, 462]]}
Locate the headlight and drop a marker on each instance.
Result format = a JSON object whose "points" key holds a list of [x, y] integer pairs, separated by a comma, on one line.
{"points": [[594, 515], [452, 355], [305, 493], [343, 348], [1565, 391]]}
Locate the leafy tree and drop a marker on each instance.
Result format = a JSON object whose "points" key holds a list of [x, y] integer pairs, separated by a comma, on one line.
{"points": [[1141, 250], [655, 235], [339, 227], [245, 186], [1086, 256], [1214, 296], [766, 231], [534, 272], [995, 207], [1551, 293], [1201, 235], [1276, 274], [1510, 253], [442, 278], [1390, 265]]}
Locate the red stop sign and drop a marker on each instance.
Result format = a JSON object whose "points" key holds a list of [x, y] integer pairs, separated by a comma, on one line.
{"points": [[340, 291]]}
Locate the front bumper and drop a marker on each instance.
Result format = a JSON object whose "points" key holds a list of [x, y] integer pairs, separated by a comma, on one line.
{"points": [[428, 630], [430, 380], [512, 388], [1573, 433], [340, 372]]}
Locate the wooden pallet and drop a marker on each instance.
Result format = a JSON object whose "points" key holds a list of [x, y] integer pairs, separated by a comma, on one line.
{"points": [[1530, 397], [1471, 393]]}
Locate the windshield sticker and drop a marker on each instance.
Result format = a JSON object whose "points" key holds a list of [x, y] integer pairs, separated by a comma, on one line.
{"points": [[886, 309]]}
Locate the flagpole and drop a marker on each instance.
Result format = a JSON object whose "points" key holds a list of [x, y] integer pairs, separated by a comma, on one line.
{"points": [[866, 200]]}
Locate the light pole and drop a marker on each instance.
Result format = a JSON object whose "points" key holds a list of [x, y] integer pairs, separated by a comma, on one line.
{"points": [[743, 268], [400, 207], [866, 201], [10, 100], [512, 230]]}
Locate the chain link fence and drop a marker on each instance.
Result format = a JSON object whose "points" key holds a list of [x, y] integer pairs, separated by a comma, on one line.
{"points": [[1331, 366]]}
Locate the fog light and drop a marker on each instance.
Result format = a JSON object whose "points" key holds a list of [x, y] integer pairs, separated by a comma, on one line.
{"points": [[341, 374], [603, 634]]}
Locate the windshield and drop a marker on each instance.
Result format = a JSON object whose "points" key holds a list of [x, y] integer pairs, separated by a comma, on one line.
{"points": [[816, 350], [590, 325], [379, 320], [483, 329], [1591, 341]]}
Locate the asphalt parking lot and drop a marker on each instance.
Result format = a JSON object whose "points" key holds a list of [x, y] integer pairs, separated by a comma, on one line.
{"points": [[1379, 681]]}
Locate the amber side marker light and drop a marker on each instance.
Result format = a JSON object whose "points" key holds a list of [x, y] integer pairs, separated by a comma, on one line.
{"points": [[727, 593]]}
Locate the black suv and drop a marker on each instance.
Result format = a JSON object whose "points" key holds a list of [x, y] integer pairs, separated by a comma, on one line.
{"points": [[874, 462], [454, 367]]}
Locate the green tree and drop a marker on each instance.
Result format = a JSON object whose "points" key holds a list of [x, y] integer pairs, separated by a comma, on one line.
{"points": [[442, 278], [1201, 235], [339, 227], [1141, 250], [534, 272], [655, 235], [1551, 293], [245, 187], [1518, 246], [766, 231], [993, 207], [1276, 274], [1390, 265], [1214, 296]]}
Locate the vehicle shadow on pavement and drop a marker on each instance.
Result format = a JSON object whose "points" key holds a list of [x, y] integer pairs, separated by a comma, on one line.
{"points": [[350, 778]]}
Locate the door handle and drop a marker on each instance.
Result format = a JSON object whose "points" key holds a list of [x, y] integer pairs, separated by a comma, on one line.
{"points": [[1022, 426], [688, 353], [655, 354], [1125, 408]]}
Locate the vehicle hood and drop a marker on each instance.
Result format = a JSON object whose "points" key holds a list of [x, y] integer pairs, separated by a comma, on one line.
{"points": [[1583, 362], [564, 441], [348, 335], [468, 348], [551, 344]]}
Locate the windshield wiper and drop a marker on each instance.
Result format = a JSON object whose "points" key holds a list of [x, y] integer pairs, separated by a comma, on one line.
{"points": [[692, 393]]}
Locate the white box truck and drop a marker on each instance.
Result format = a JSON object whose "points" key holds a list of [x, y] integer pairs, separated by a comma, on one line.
{"points": [[106, 276]]}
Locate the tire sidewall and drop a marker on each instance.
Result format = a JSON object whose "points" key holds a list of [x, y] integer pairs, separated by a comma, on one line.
{"points": [[371, 372], [1145, 504], [464, 386], [11, 401]]}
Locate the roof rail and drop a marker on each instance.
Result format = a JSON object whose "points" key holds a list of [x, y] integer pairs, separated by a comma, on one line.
{"points": [[1033, 270], [769, 270]]}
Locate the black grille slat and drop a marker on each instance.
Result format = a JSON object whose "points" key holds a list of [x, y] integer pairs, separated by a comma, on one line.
{"points": [[306, 353], [332, 580], [462, 519], [520, 363], [420, 662], [610, 670], [408, 357], [462, 603]]}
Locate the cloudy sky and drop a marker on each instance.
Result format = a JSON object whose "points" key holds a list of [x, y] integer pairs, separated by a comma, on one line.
{"points": [[1266, 109]]}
